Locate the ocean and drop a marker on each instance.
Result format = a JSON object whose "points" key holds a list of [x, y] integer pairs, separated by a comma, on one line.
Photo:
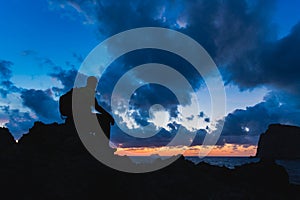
{"points": [[292, 166]]}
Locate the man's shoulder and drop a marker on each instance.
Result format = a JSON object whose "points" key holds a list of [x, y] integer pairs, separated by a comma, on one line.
{"points": [[83, 91], [77, 89]]}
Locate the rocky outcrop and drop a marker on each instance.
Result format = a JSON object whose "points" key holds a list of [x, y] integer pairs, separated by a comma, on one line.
{"points": [[279, 142], [50, 162], [7, 141]]}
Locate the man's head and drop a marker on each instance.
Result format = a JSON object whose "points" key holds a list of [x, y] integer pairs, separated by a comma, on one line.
{"points": [[92, 82]]}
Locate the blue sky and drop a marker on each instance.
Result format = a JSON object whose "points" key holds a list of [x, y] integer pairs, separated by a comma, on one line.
{"points": [[43, 43]]}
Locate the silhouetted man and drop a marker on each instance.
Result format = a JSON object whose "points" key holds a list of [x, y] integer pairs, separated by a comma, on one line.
{"points": [[88, 104]]}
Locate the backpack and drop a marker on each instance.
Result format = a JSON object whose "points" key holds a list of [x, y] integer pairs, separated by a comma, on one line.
{"points": [[65, 104]]}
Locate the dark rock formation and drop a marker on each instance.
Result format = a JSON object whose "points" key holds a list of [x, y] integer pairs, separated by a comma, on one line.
{"points": [[7, 141], [279, 142], [50, 162]]}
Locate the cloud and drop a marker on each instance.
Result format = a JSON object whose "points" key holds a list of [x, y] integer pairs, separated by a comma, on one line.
{"points": [[37, 104], [240, 37], [128, 118], [78, 57], [18, 122], [28, 52], [42, 104], [6, 86], [235, 48], [66, 77], [249, 22], [210, 28], [162, 138], [275, 64], [113, 17], [5, 71], [207, 22], [160, 119], [166, 126], [245, 126], [281, 62]]}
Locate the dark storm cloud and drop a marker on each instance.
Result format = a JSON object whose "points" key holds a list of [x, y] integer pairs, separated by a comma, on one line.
{"points": [[238, 35], [115, 16], [281, 62], [231, 31], [123, 15], [41, 103], [66, 77], [150, 94], [276, 64], [275, 108], [227, 29]]}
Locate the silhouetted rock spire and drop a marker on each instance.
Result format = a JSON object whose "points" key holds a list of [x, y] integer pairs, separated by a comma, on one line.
{"points": [[279, 142]]}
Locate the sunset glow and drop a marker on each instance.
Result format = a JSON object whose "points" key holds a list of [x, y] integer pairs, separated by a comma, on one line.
{"points": [[225, 150]]}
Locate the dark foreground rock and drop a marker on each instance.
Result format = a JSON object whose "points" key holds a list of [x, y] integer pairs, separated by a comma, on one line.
{"points": [[279, 142], [51, 163], [6, 139]]}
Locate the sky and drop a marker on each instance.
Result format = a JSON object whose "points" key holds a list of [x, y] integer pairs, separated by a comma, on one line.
{"points": [[255, 45]]}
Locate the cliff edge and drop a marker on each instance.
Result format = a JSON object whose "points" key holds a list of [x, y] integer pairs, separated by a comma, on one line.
{"points": [[279, 142]]}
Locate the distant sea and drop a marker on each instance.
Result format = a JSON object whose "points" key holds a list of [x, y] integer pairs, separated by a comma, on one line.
{"points": [[292, 166]]}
